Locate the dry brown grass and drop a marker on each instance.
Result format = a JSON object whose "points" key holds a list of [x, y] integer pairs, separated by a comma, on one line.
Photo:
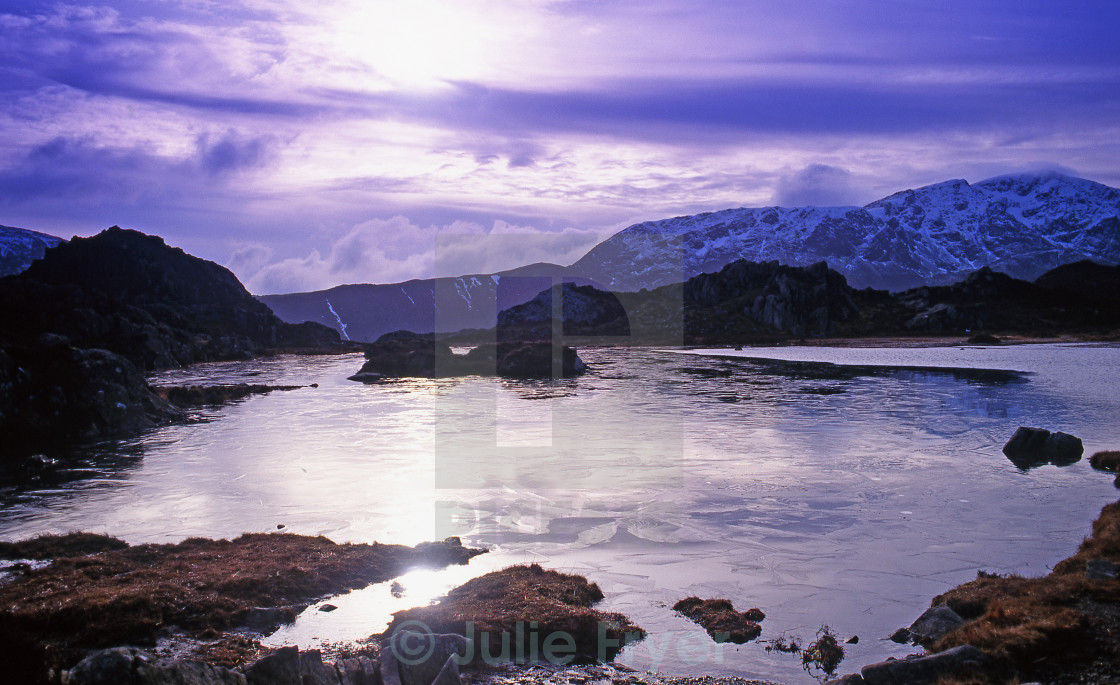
{"points": [[1056, 624], [54, 546], [719, 618], [125, 596], [516, 610], [1106, 461]]}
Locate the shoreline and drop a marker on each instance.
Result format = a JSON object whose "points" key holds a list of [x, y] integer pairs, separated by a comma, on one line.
{"points": [[1070, 617]]}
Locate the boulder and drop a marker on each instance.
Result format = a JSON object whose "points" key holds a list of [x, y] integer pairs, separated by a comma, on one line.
{"points": [[425, 658], [278, 668], [313, 671], [1035, 446], [357, 671], [958, 662], [934, 624], [131, 666]]}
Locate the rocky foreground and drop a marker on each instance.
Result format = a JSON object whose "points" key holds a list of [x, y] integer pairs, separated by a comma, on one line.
{"points": [[92, 616], [99, 592]]}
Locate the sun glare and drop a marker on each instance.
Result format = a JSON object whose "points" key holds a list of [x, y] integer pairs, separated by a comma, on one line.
{"points": [[419, 43]]}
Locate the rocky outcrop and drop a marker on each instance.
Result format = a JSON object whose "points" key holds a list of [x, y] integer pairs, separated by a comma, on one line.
{"points": [[82, 324], [800, 301], [1035, 446], [719, 618], [404, 354], [584, 310], [53, 393], [132, 294]]}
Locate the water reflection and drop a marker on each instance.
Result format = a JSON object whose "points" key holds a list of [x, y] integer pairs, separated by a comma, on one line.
{"points": [[821, 493]]}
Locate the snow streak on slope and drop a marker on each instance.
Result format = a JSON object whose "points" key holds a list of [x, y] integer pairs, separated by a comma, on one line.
{"points": [[1022, 224]]}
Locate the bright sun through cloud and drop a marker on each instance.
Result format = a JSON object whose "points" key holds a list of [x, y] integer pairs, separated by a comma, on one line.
{"points": [[419, 43]]}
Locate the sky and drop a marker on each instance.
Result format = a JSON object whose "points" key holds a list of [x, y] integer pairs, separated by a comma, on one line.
{"points": [[305, 145]]}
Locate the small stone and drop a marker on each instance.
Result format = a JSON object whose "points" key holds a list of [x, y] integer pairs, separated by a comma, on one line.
{"points": [[327, 607], [280, 526], [901, 636], [853, 640]]}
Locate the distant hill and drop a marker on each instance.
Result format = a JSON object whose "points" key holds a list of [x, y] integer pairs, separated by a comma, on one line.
{"points": [[19, 247], [1021, 225], [365, 312]]}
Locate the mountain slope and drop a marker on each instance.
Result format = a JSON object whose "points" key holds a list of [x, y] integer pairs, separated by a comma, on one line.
{"points": [[19, 247], [365, 312], [1022, 225]]}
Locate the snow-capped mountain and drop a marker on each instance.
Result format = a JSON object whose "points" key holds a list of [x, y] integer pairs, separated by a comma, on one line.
{"points": [[19, 247], [1022, 225]]}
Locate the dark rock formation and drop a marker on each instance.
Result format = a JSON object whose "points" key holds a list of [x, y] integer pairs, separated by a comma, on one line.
{"points": [[719, 618], [196, 395], [584, 310], [414, 658], [404, 354], [800, 301], [82, 324], [130, 293], [958, 662], [52, 393], [131, 666], [1035, 446]]}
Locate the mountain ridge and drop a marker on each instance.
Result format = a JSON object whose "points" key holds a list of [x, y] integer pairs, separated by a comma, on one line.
{"points": [[1021, 224]]}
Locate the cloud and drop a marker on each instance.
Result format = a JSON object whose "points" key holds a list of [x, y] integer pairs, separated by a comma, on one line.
{"points": [[817, 185], [232, 152], [392, 250], [83, 170]]}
